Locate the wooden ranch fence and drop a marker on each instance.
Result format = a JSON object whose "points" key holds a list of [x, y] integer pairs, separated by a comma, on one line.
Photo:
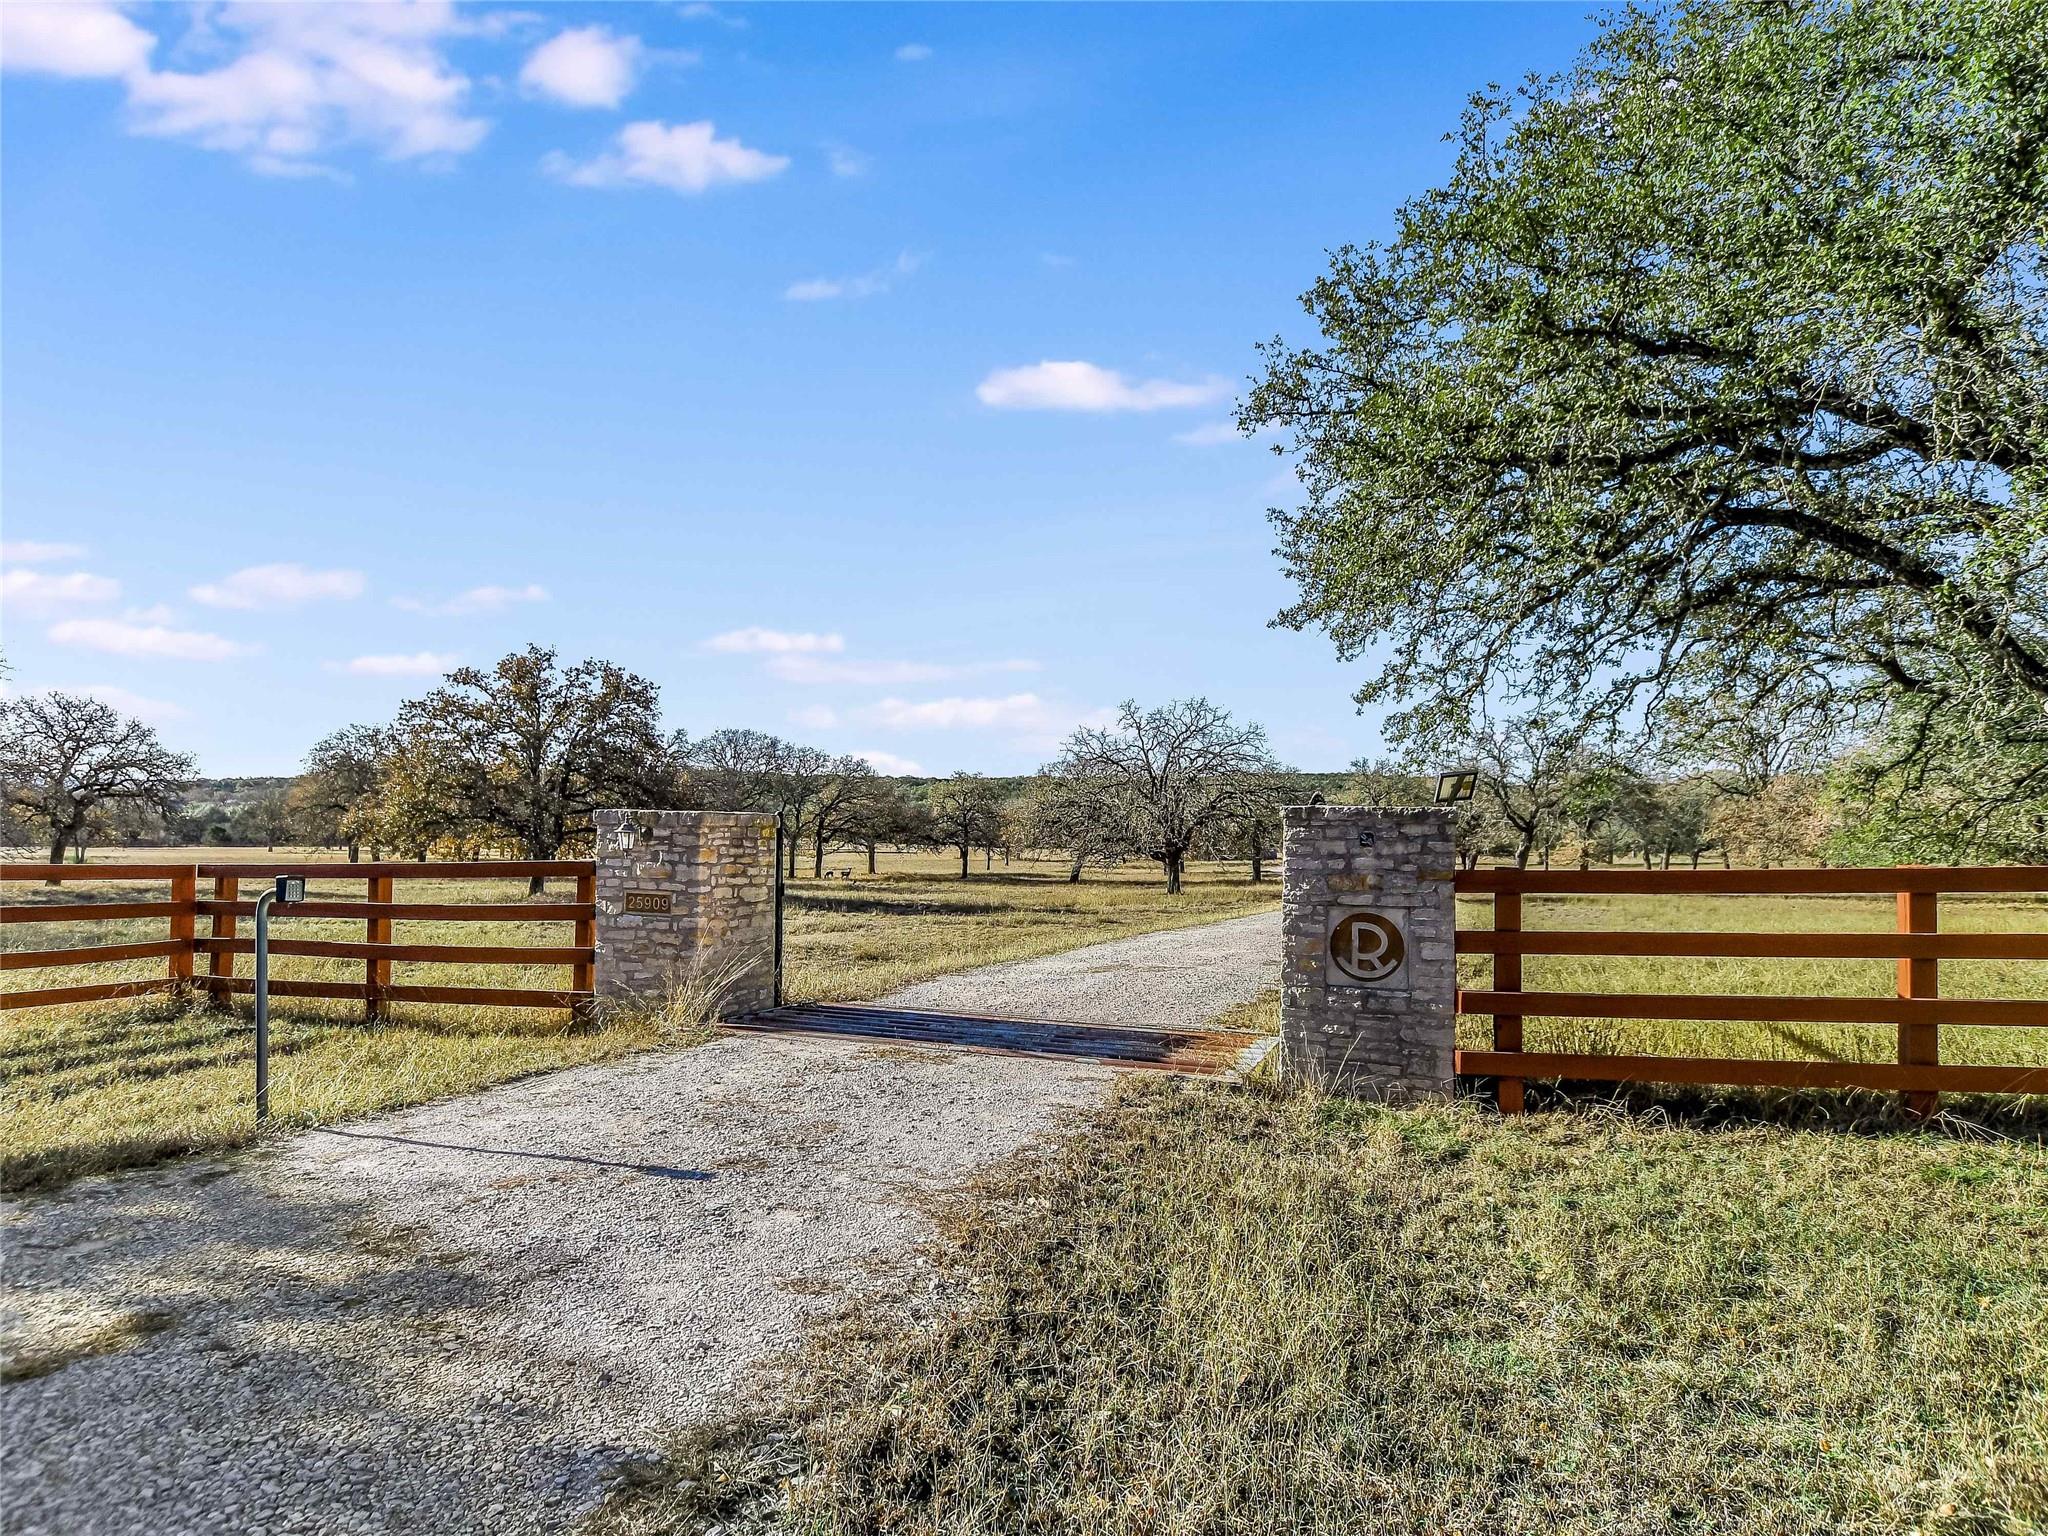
{"points": [[1917, 1010], [378, 911]]}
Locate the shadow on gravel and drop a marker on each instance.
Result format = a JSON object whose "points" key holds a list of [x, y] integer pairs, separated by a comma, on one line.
{"points": [[653, 1170]]}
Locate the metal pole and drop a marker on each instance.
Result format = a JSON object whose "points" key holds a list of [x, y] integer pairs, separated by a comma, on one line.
{"points": [[778, 910], [263, 1005]]}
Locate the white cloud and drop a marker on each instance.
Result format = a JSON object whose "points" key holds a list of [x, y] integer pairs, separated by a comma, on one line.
{"points": [[119, 638], [816, 717], [885, 674], [51, 589], [866, 285], [684, 157], [583, 67], [697, 10], [278, 586], [487, 599], [82, 41], [129, 703], [1016, 711], [32, 552], [419, 664], [889, 762], [306, 79], [914, 53], [776, 642], [155, 613], [1078, 386], [845, 160]]}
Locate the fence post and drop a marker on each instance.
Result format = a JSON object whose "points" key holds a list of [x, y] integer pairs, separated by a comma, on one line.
{"points": [[1919, 1044], [377, 970], [583, 975], [1507, 977], [220, 965], [1369, 972], [184, 925]]}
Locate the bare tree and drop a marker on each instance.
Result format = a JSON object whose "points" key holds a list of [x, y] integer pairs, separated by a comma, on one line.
{"points": [[1083, 816], [63, 756], [741, 770], [839, 806], [1180, 772], [735, 770], [1529, 768]]}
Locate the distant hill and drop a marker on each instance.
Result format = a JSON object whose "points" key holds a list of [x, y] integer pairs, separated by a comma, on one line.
{"points": [[230, 795]]}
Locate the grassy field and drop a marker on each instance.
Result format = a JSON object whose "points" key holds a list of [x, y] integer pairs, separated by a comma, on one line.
{"points": [[1226, 1310], [916, 919], [94, 1087]]}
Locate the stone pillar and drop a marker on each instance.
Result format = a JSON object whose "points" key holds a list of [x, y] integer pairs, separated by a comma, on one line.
{"points": [[1368, 999], [686, 899]]}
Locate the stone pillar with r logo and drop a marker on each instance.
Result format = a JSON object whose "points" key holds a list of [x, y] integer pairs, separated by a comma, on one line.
{"points": [[1368, 1002]]}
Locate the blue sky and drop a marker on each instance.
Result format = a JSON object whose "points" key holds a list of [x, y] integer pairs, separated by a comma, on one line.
{"points": [[856, 373]]}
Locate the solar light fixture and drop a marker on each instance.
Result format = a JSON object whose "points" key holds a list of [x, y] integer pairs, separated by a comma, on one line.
{"points": [[1456, 784]]}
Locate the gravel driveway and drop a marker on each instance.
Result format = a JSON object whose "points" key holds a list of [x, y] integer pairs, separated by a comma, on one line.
{"points": [[480, 1316], [1178, 979]]}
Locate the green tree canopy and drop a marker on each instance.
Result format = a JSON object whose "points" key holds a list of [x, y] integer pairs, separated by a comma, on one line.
{"points": [[1719, 363]]}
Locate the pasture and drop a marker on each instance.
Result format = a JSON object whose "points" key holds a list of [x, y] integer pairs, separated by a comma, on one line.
{"points": [[1220, 1309], [93, 1087], [1734, 914]]}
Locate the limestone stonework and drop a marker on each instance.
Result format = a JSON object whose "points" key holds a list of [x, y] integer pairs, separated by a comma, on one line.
{"points": [[716, 870], [1369, 987]]}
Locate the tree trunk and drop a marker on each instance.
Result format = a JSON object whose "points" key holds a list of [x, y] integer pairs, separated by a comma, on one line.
{"points": [[1258, 863], [1074, 873], [963, 858], [988, 858], [792, 858], [871, 858], [818, 856], [1172, 861], [57, 841], [355, 852]]}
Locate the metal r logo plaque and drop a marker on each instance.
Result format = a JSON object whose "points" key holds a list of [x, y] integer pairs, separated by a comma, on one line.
{"points": [[1367, 949]]}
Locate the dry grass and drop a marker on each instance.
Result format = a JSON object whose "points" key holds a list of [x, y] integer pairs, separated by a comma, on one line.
{"points": [[1819, 978], [97, 1087], [1222, 1310]]}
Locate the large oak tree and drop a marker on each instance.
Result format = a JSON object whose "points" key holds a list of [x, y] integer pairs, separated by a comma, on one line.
{"points": [[527, 750], [1719, 362]]}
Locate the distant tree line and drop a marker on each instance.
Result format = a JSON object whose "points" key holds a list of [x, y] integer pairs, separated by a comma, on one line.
{"points": [[512, 760]]}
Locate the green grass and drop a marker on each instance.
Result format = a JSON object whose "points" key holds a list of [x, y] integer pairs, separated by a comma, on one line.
{"points": [[92, 1088], [1225, 1310]]}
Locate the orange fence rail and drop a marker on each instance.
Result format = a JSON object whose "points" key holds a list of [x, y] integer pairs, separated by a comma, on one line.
{"points": [[378, 911], [1917, 1010]]}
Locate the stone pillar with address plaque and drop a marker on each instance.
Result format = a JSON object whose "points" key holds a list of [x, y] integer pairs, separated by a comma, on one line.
{"points": [[1368, 998], [686, 902]]}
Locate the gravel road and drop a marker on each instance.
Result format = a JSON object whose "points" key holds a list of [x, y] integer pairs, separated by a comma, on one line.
{"points": [[480, 1316], [1179, 979]]}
